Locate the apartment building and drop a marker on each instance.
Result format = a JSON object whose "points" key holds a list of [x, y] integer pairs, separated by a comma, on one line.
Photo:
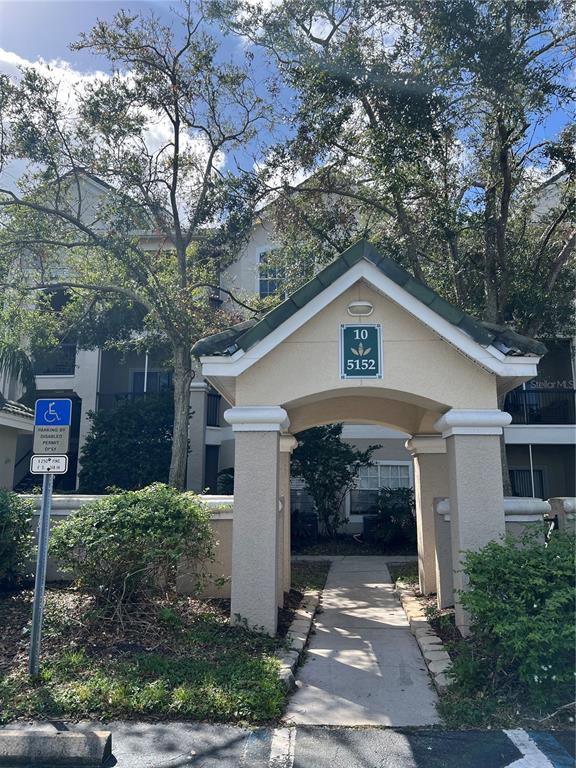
{"points": [[540, 441]]}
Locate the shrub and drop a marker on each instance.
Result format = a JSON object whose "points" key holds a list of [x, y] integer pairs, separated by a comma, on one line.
{"points": [[129, 545], [329, 466], [396, 522], [128, 447], [225, 482], [15, 536], [521, 602]]}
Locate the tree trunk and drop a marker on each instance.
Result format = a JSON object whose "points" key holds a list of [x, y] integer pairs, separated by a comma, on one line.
{"points": [[183, 376], [490, 257]]}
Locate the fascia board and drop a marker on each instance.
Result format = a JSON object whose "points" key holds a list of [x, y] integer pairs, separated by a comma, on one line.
{"points": [[21, 423], [488, 358]]}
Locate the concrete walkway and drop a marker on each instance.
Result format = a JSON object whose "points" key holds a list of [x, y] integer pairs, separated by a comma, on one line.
{"points": [[364, 666]]}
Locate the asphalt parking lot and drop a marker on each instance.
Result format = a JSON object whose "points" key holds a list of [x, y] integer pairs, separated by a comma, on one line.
{"points": [[179, 745]]}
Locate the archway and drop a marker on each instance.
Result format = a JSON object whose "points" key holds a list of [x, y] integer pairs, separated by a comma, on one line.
{"points": [[367, 343]]}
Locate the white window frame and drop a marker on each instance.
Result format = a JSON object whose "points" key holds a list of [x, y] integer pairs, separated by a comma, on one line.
{"points": [[355, 518], [395, 463], [262, 252]]}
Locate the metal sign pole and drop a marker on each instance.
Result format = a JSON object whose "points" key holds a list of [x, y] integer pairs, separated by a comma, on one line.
{"points": [[40, 583]]}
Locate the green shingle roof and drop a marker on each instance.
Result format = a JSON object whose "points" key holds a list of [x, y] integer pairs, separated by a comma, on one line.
{"points": [[247, 334]]}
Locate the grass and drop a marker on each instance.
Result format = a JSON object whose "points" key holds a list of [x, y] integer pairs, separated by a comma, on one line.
{"points": [[348, 545], [309, 575], [172, 659], [407, 573]]}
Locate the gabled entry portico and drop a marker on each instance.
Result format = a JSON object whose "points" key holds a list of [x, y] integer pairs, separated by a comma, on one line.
{"points": [[436, 374]]}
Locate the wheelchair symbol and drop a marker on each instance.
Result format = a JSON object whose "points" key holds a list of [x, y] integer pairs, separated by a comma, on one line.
{"points": [[50, 416]]}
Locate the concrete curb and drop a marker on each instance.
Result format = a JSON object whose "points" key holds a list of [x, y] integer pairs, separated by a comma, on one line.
{"points": [[297, 636], [44, 748], [435, 654]]}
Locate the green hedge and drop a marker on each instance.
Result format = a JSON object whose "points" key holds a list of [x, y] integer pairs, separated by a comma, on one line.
{"points": [[129, 446], [15, 536], [131, 544], [521, 602]]}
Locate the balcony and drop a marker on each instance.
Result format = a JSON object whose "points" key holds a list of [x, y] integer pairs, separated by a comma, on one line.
{"points": [[106, 401], [213, 409], [60, 361], [541, 406]]}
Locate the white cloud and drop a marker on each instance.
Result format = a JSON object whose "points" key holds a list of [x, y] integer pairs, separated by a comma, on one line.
{"points": [[72, 85], [278, 177]]}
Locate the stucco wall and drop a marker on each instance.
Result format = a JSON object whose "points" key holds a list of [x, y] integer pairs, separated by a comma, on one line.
{"points": [[419, 369], [8, 443], [219, 570], [243, 274], [391, 450]]}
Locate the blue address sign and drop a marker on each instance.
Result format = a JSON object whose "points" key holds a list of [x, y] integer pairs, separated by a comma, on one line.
{"points": [[360, 352]]}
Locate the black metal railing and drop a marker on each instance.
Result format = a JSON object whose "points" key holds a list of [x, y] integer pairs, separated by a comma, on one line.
{"points": [[213, 409], [108, 400], [60, 361], [541, 406]]}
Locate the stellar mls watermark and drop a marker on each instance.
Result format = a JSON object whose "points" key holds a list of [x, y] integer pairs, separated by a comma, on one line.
{"points": [[551, 384]]}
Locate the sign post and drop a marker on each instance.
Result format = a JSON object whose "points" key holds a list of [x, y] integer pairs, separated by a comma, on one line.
{"points": [[51, 436], [40, 581]]}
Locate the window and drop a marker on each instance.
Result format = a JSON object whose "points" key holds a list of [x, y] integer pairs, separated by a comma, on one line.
{"points": [[270, 277], [157, 381], [521, 483], [364, 498], [384, 476]]}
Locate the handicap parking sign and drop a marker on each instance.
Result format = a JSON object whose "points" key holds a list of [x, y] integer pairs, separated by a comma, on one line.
{"points": [[52, 419], [53, 413]]}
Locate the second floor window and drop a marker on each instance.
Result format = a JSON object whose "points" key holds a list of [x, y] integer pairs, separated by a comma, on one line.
{"points": [[269, 277], [157, 381]]}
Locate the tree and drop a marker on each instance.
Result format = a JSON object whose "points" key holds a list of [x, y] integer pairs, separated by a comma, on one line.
{"points": [[128, 447], [329, 467], [147, 253], [426, 128]]}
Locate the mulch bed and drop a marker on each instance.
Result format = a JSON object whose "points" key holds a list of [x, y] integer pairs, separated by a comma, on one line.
{"points": [[107, 636], [143, 630]]}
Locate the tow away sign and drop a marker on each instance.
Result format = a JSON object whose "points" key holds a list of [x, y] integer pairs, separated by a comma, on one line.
{"points": [[49, 465]]}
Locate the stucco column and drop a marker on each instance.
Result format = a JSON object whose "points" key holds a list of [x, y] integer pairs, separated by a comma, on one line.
{"points": [[197, 436], [444, 570], [476, 495], [430, 481], [86, 386], [255, 525], [287, 445]]}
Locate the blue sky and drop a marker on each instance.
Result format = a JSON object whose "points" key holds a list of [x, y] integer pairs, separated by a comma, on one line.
{"points": [[45, 29], [32, 29]]}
